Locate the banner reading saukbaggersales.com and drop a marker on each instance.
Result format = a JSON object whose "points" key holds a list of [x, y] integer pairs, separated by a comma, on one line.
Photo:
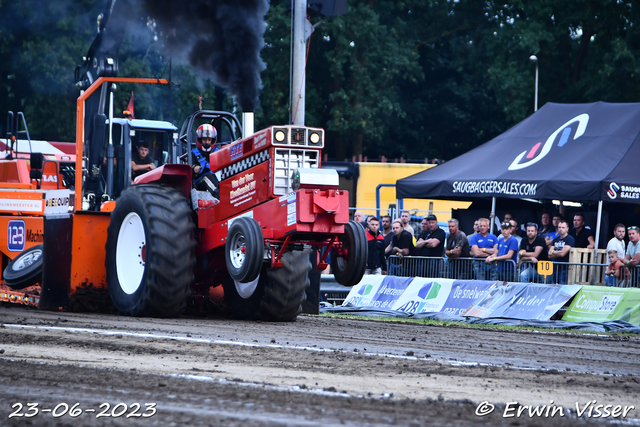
{"points": [[524, 189]]}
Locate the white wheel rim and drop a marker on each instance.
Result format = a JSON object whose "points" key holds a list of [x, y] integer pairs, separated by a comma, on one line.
{"points": [[26, 260], [130, 253], [237, 250], [245, 290]]}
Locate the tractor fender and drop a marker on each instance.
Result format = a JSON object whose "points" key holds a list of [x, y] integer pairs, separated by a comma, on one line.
{"points": [[174, 175]]}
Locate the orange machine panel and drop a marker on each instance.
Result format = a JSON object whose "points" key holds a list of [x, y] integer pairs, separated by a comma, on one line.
{"points": [[17, 202], [14, 172], [19, 233], [88, 250]]}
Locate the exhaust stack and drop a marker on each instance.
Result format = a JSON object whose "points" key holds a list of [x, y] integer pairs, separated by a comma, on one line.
{"points": [[247, 124]]}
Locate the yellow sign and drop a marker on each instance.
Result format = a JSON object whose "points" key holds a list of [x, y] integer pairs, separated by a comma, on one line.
{"points": [[545, 268]]}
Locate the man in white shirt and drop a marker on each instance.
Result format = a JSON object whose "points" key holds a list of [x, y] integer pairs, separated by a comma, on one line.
{"points": [[617, 241], [405, 217]]}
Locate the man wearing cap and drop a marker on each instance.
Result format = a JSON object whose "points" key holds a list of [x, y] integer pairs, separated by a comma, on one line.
{"points": [[431, 244]]}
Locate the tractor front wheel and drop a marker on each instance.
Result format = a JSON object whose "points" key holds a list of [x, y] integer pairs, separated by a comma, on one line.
{"points": [[350, 261], [244, 252], [150, 251]]}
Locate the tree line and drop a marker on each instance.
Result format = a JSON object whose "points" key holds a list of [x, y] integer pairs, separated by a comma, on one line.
{"points": [[415, 78]]}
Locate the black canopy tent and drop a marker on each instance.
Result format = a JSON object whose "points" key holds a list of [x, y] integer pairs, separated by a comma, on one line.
{"points": [[577, 152]]}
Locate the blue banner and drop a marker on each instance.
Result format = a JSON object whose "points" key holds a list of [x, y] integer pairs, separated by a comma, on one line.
{"points": [[473, 298], [389, 291], [522, 301], [463, 294]]}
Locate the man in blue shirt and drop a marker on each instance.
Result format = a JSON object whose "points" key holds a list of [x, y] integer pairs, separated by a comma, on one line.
{"points": [[507, 250], [483, 245], [557, 217]]}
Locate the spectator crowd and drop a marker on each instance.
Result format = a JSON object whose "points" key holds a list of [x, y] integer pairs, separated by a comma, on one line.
{"points": [[513, 255]]}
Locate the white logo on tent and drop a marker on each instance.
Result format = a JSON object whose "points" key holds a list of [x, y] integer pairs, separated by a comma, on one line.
{"points": [[582, 120]]}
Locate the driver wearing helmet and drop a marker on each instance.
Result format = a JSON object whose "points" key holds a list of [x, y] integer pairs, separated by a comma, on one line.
{"points": [[205, 179]]}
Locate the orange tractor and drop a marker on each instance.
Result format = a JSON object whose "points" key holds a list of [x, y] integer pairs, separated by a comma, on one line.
{"points": [[154, 243]]}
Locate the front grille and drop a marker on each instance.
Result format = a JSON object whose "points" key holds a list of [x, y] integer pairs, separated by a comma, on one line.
{"points": [[298, 136], [288, 160]]}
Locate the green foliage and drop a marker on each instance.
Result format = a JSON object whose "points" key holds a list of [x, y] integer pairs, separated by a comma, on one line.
{"points": [[412, 78]]}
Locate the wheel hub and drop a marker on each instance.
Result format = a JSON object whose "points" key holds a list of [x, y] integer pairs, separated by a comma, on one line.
{"points": [[26, 260], [238, 250], [131, 253]]}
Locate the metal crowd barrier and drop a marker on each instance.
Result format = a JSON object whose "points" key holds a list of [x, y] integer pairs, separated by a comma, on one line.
{"points": [[477, 269], [580, 274], [331, 291], [416, 266], [451, 268]]}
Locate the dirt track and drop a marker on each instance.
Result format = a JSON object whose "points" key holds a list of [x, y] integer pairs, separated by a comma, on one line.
{"points": [[316, 371]]}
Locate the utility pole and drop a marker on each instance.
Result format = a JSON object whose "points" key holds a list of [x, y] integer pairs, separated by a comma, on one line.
{"points": [[301, 30], [299, 51], [534, 59]]}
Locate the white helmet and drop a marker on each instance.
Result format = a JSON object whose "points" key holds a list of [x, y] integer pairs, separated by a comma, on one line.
{"points": [[206, 131]]}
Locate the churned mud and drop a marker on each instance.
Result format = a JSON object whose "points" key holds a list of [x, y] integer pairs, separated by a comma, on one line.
{"points": [[316, 371]]}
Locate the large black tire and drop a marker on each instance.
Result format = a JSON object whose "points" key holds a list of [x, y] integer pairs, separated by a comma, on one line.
{"points": [[25, 269], [243, 299], [278, 292], [285, 288], [150, 251], [244, 250], [349, 269]]}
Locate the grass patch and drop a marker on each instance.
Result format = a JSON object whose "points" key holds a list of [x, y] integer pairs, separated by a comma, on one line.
{"points": [[465, 325]]}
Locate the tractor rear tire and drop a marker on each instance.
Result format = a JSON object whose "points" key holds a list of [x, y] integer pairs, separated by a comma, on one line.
{"points": [[348, 271], [150, 251], [25, 269], [278, 294], [244, 250], [284, 289], [243, 299]]}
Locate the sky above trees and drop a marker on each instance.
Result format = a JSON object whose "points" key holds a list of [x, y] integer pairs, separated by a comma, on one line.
{"points": [[418, 78]]}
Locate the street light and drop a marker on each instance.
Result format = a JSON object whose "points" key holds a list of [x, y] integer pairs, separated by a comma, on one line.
{"points": [[534, 59]]}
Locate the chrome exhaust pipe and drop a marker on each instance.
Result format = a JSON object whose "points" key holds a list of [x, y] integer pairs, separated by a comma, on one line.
{"points": [[247, 124]]}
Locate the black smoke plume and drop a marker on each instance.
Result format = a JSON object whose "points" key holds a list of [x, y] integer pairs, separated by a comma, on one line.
{"points": [[220, 38]]}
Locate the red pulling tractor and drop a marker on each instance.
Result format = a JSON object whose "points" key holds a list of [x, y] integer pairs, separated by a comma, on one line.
{"points": [[156, 242]]}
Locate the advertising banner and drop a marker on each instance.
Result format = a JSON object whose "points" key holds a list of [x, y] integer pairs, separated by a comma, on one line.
{"points": [[463, 294], [600, 303], [389, 291], [424, 296], [485, 299], [522, 301], [361, 295]]}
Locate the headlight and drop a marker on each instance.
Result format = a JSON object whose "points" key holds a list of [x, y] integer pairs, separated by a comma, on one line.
{"points": [[314, 138], [280, 136]]}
